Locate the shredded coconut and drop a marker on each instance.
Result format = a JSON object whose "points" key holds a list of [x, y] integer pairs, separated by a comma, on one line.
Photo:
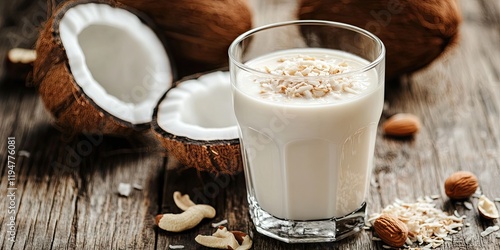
{"points": [[478, 193], [137, 186], [468, 205], [426, 224], [222, 222], [435, 196], [24, 153], [124, 189], [176, 246], [489, 230], [309, 66]]}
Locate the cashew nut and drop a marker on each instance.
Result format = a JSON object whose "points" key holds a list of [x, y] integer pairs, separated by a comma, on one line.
{"points": [[246, 244], [224, 239], [193, 214], [182, 201]]}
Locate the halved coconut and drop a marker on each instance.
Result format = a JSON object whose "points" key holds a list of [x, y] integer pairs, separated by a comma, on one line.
{"points": [[195, 122], [100, 69]]}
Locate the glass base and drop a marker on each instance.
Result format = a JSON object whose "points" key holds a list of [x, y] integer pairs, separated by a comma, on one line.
{"points": [[291, 231]]}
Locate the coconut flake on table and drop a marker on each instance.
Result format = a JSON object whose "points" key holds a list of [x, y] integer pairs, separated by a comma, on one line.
{"points": [[426, 223], [220, 223], [124, 189], [468, 205], [435, 196], [478, 193], [176, 246], [24, 153], [489, 230]]}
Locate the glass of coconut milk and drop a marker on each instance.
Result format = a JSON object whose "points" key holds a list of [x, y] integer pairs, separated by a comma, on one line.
{"points": [[308, 96]]}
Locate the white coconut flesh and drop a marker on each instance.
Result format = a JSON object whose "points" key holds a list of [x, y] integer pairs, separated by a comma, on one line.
{"points": [[117, 61], [200, 109]]}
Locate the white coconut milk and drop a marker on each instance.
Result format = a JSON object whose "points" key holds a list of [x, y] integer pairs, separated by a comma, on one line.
{"points": [[308, 158]]}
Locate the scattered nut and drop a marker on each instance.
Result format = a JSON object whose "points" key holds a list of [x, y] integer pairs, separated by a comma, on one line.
{"points": [[19, 63], [239, 236], [402, 124], [426, 223], [223, 239], [20, 55], [461, 185], [193, 214], [487, 208], [182, 201], [391, 230]]}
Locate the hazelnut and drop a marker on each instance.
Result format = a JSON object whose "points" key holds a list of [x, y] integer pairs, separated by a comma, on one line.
{"points": [[391, 230], [461, 185]]}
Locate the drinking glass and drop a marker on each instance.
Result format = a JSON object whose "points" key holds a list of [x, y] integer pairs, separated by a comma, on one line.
{"points": [[307, 165]]}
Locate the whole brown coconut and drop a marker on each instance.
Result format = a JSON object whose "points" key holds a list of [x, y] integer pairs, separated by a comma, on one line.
{"points": [[414, 32], [74, 111], [199, 31]]}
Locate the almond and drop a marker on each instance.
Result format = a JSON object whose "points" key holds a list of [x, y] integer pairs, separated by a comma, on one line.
{"points": [[461, 185], [391, 230], [402, 124]]}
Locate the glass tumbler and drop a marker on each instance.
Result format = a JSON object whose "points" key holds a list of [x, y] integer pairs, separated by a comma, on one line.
{"points": [[307, 154]]}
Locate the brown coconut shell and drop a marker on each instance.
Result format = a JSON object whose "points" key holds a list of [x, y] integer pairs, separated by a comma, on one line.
{"points": [[414, 32], [215, 156], [199, 30], [73, 111]]}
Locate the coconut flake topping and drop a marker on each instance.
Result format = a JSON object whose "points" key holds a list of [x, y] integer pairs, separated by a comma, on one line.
{"points": [[297, 82]]}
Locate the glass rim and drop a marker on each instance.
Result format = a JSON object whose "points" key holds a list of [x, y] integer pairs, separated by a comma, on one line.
{"points": [[372, 64]]}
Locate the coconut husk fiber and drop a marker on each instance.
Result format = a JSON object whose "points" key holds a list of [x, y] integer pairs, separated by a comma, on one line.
{"points": [[220, 157], [414, 32]]}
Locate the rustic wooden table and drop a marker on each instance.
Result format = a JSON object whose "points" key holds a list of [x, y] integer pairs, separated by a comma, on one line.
{"points": [[66, 194]]}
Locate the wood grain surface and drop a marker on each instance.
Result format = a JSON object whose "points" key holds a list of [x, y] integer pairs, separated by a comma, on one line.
{"points": [[66, 196]]}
